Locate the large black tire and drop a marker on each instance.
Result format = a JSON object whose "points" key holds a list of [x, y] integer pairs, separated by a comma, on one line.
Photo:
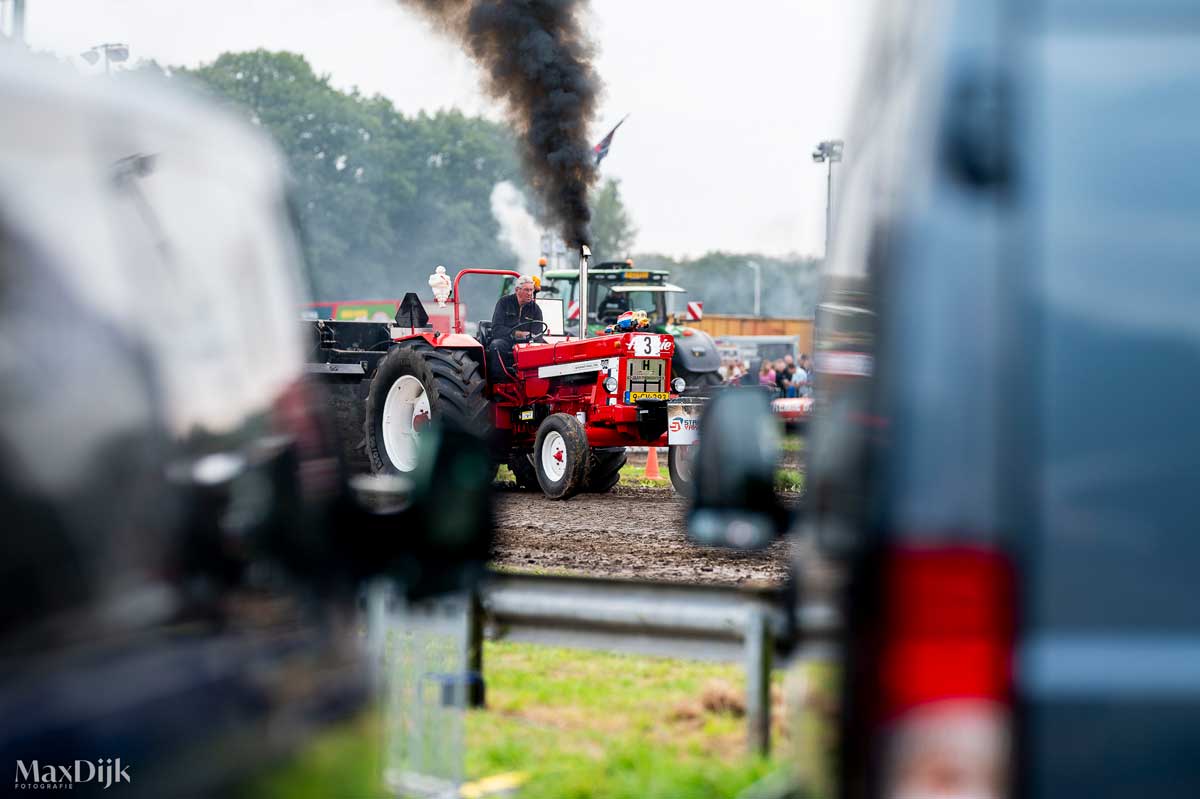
{"points": [[679, 464], [453, 384], [349, 402], [604, 469], [521, 465], [562, 441], [698, 383]]}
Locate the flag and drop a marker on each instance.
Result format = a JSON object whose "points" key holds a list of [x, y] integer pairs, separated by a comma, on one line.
{"points": [[601, 149]]}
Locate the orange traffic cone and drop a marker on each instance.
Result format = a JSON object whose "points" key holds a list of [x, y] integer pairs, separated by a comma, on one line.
{"points": [[652, 472]]}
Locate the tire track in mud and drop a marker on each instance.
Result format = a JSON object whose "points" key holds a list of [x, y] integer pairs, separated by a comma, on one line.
{"points": [[629, 532]]}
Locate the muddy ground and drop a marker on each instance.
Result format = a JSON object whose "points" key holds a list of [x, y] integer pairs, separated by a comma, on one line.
{"points": [[629, 532]]}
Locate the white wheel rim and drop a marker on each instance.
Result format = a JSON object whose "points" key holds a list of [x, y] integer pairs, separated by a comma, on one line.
{"points": [[405, 414], [683, 461], [554, 456]]}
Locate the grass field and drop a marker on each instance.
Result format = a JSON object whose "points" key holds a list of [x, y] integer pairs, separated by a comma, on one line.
{"points": [[577, 725]]}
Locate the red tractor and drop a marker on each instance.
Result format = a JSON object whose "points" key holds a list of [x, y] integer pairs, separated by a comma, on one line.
{"points": [[561, 419]]}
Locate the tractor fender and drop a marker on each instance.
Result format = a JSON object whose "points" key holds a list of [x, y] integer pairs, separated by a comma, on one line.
{"points": [[458, 341], [696, 352], [451, 341]]}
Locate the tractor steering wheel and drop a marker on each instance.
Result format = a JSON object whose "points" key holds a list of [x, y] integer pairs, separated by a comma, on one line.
{"points": [[532, 335]]}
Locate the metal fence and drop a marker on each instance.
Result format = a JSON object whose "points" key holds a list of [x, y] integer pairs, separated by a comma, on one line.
{"points": [[756, 626]]}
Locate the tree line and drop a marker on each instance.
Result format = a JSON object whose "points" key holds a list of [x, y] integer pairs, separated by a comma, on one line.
{"points": [[382, 197]]}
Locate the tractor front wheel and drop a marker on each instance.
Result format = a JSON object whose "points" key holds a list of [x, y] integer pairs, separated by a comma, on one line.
{"points": [[680, 465], [561, 456]]}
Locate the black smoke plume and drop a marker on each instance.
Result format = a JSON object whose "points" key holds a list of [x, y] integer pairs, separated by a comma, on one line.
{"points": [[537, 60]]}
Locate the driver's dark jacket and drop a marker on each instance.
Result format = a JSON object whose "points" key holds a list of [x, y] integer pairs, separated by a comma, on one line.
{"points": [[509, 312]]}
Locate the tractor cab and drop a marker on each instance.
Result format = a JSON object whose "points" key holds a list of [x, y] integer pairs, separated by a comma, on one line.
{"points": [[615, 288]]}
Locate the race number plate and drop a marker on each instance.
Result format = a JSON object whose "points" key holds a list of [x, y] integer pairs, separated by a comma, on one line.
{"points": [[646, 346]]}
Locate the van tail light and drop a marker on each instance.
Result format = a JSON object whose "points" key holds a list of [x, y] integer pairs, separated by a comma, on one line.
{"points": [[945, 669]]}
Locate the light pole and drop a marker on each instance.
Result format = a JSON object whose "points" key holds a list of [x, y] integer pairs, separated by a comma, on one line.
{"points": [[112, 52], [757, 287], [17, 21], [828, 152]]}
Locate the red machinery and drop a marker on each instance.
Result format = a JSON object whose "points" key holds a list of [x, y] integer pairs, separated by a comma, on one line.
{"points": [[561, 419]]}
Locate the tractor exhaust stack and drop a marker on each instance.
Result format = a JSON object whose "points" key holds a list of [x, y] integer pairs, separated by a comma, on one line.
{"points": [[585, 254]]}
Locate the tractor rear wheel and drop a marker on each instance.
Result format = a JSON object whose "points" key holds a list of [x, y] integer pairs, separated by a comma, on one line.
{"points": [[679, 464], [521, 465], [604, 469], [561, 456], [412, 387]]}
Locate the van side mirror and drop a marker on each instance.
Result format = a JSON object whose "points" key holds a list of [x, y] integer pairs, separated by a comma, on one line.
{"points": [[431, 529], [734, 504]]}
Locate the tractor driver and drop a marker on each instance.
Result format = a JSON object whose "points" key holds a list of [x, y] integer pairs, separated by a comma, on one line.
{"points": [[511, 310]]}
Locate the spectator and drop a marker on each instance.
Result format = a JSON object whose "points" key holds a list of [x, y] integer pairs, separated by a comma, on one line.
{"points": [[749, 376], [766, 374], [784, 375], [804, 386], [736, 370], [780, 366]]}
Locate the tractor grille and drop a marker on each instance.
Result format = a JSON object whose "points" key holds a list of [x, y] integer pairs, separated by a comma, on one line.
{"points": [[645, 376]]}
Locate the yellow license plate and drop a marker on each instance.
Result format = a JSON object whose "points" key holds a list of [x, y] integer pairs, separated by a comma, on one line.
{"points": [[634, 396]]}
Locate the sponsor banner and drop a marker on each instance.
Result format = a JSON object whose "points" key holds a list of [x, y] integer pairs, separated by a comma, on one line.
{"points": [[850, 364], [683, 423], [792, 407]]}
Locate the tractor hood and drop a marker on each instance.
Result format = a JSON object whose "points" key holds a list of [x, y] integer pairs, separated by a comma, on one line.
{"points": [[696, 351]]}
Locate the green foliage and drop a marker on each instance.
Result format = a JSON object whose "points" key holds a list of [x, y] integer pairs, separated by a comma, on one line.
{"points": [[726, 285], [791, 480], [613, 231], [382, 198]]}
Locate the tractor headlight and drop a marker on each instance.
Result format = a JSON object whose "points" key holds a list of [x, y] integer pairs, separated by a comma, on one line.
{"points": [[678, 385], [610, 384]]}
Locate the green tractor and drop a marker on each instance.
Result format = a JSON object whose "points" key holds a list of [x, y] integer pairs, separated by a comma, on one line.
{"points": [[617, 286]]}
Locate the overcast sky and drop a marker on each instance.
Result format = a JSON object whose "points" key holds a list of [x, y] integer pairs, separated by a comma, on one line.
{"points": [[726, 100]]}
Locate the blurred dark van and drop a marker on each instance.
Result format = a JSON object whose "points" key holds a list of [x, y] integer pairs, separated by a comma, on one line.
{"points": [[180, 554], [1005, 455]]}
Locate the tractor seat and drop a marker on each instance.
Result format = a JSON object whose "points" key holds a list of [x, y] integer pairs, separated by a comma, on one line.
{"points": [[483, 333]]}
